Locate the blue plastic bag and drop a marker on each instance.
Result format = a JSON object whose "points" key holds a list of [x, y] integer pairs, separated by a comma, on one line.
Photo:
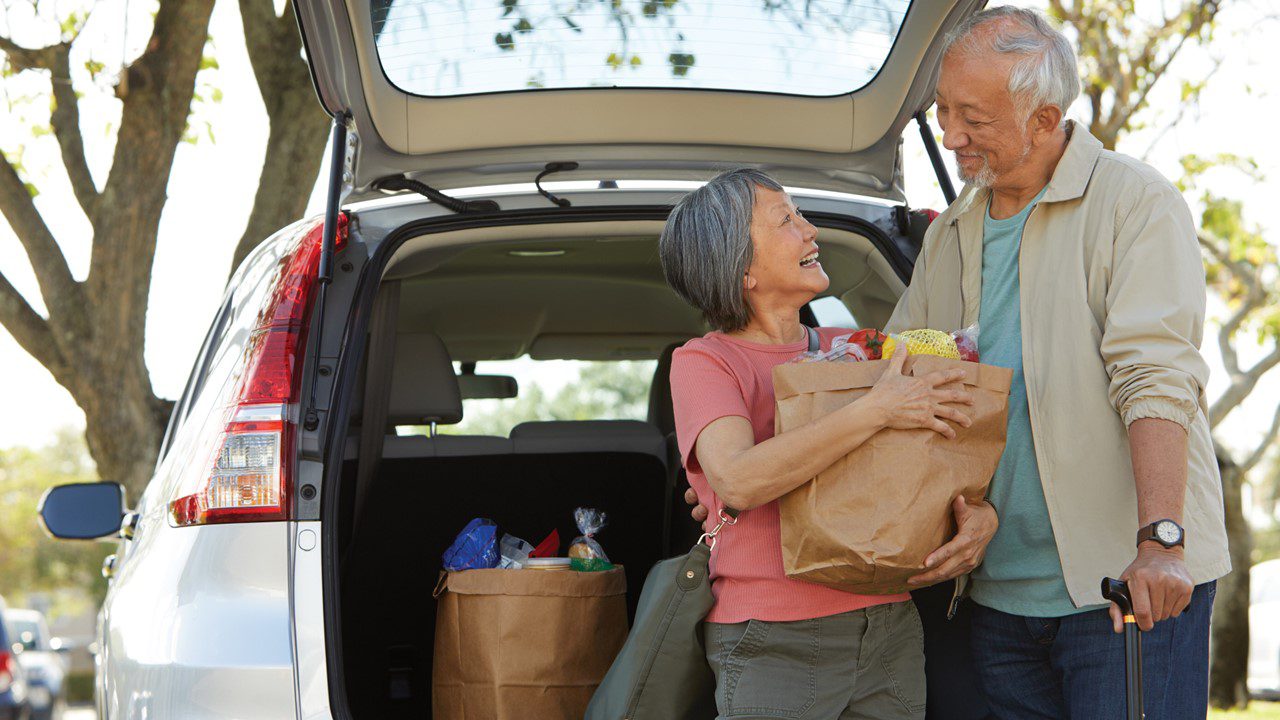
{"points": [[476, 547]]}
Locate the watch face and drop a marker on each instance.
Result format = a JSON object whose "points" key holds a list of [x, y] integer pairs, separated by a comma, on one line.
{"points": [[1168, 532]]}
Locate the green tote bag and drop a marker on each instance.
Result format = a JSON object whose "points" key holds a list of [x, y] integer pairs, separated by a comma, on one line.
{"points": [[662, 672]]}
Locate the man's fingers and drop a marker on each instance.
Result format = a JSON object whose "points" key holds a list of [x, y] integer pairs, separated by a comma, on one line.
{"points": [[1141, 595], [940, 555], [699, 514], [1159, 597], [956, 566], [1117, 619], [691, 496]]}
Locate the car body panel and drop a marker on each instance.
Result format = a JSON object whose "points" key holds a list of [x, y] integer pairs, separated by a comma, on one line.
{"points": [[845, 143], [197, 625], [1264, 630]]}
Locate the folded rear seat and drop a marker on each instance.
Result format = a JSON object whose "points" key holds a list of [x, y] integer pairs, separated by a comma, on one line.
{"points": [[577, 436]]}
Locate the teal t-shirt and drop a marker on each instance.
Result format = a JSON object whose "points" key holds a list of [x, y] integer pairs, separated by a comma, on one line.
{"points": [[1021, 573]]}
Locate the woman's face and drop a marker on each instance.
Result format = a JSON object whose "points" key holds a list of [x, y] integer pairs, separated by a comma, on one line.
{"points": [[785, 267]]}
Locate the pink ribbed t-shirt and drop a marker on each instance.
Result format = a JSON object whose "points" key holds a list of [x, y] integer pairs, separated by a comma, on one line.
{"points": [[718, 376]]}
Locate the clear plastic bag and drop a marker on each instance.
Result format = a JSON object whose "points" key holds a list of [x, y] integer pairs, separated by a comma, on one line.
{"points": [[967, 343], [513, 551], [841, 350], [585, 551]]}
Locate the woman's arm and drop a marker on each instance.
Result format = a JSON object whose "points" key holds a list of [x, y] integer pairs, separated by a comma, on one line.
{"points": [[746, 475]]}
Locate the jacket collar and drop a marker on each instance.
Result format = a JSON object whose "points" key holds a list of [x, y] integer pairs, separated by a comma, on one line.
{"points": [[1070, 177]]}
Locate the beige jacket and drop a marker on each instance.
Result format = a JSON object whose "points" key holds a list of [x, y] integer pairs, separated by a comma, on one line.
{"points": [[1113, 305]]}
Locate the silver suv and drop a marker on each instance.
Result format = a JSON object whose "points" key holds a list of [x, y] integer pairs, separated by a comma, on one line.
{"points": [[280, 563]]}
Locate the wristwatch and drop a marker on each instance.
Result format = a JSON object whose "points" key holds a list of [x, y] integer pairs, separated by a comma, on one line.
{"points": [[1166, 532]]}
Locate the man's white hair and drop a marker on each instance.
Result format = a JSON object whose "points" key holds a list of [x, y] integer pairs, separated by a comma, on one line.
{"points": [[1047, 74]]}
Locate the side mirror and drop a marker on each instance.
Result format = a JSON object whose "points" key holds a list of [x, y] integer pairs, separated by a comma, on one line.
{"points": [[83, 511]]}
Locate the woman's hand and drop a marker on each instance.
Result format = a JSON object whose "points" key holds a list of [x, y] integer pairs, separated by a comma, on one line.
{"points": [[908, 403], [976, 525]]}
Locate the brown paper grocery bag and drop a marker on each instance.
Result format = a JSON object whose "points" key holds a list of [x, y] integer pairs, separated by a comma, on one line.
{"points": [[866, 523], [525, 643]]}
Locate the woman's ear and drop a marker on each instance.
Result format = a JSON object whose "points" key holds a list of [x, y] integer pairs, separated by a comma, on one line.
{"points": [[748, 282]]}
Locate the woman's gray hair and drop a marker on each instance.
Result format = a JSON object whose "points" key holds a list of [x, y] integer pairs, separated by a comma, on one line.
{"points": [[1047, 74], [705, 247]]}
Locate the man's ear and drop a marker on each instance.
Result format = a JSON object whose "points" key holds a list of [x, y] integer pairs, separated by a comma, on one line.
{"points": [[1045, 121]]}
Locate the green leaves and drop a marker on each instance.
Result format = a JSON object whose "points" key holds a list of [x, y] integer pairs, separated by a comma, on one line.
{"points": [[680, 63]]}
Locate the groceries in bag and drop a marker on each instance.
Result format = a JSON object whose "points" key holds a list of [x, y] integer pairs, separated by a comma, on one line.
{"points": [[586, 553], [866, 523]]}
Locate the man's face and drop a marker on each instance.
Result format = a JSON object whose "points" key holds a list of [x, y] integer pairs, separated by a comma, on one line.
{"points": [[979, 121]]}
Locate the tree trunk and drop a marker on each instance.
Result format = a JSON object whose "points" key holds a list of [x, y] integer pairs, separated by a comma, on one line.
{"points": [[299, 124], [294, 151], [1229, 639]]}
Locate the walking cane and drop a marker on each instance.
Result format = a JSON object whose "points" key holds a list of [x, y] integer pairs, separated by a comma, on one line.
{"points": [[1117, 591]]}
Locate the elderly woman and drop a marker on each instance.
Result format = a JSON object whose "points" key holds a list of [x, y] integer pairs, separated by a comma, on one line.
{"points": [[739, 250]]}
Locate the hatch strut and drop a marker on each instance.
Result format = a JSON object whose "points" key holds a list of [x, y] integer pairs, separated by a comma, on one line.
{"points": [[339, 175], [935, 157], [452, 203]]}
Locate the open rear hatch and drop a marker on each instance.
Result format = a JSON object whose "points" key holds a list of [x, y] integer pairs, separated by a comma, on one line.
{"points": [[465, 93]]}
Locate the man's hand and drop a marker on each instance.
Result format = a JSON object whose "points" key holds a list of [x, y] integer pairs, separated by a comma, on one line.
{"points": [[1159, 586], [699, 511], [976, 525]]}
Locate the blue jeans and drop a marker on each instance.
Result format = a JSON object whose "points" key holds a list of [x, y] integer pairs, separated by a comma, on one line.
{"points": [[1073, 666]]}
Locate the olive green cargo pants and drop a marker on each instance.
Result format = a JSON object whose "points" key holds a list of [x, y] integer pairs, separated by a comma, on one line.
{"points": [[866, 663]]}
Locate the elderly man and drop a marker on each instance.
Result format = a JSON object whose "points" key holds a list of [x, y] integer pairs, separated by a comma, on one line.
{"points": [[1082, 267]]}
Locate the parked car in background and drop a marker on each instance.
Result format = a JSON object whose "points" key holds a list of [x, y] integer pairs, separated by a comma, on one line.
{"points": [[14, 703], [1264, 630], [280, 562], [43, 659]]}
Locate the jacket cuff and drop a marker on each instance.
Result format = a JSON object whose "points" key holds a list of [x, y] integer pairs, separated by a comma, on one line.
{"points": [[1160, 408]]}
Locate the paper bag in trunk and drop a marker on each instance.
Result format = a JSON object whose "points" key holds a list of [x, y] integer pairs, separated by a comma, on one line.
{"points": [[525, 643], [866, 523]]}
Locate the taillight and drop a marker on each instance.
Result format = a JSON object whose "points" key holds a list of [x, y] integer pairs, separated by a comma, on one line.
{"points": [[6, 670], [249, 474]]}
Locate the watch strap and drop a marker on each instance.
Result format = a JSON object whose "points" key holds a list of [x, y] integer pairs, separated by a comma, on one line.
{"points": [[1149, 533]]}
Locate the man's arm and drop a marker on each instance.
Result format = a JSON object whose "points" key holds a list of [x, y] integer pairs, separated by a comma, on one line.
{"points": [[1151, 347], [1158, 579]]}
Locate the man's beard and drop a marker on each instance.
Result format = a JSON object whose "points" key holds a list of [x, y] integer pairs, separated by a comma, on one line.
{"points": [[985, 176]]}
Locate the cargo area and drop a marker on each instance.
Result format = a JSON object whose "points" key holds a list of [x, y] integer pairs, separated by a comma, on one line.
{"points": [[449, 312]]}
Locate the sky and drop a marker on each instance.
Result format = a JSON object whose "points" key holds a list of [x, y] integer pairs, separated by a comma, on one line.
{"points": [[213, 182]]}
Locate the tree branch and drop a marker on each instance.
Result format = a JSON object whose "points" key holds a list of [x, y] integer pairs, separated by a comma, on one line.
{"points": [[60, 291], [1265, 444], [65, 115], [28, 58], [65, 119], [1255, 297], [27, 327], [272, 41]]}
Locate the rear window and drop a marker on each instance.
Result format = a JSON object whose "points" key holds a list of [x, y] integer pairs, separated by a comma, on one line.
{"points": [[554, 390], [464, 47]]}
